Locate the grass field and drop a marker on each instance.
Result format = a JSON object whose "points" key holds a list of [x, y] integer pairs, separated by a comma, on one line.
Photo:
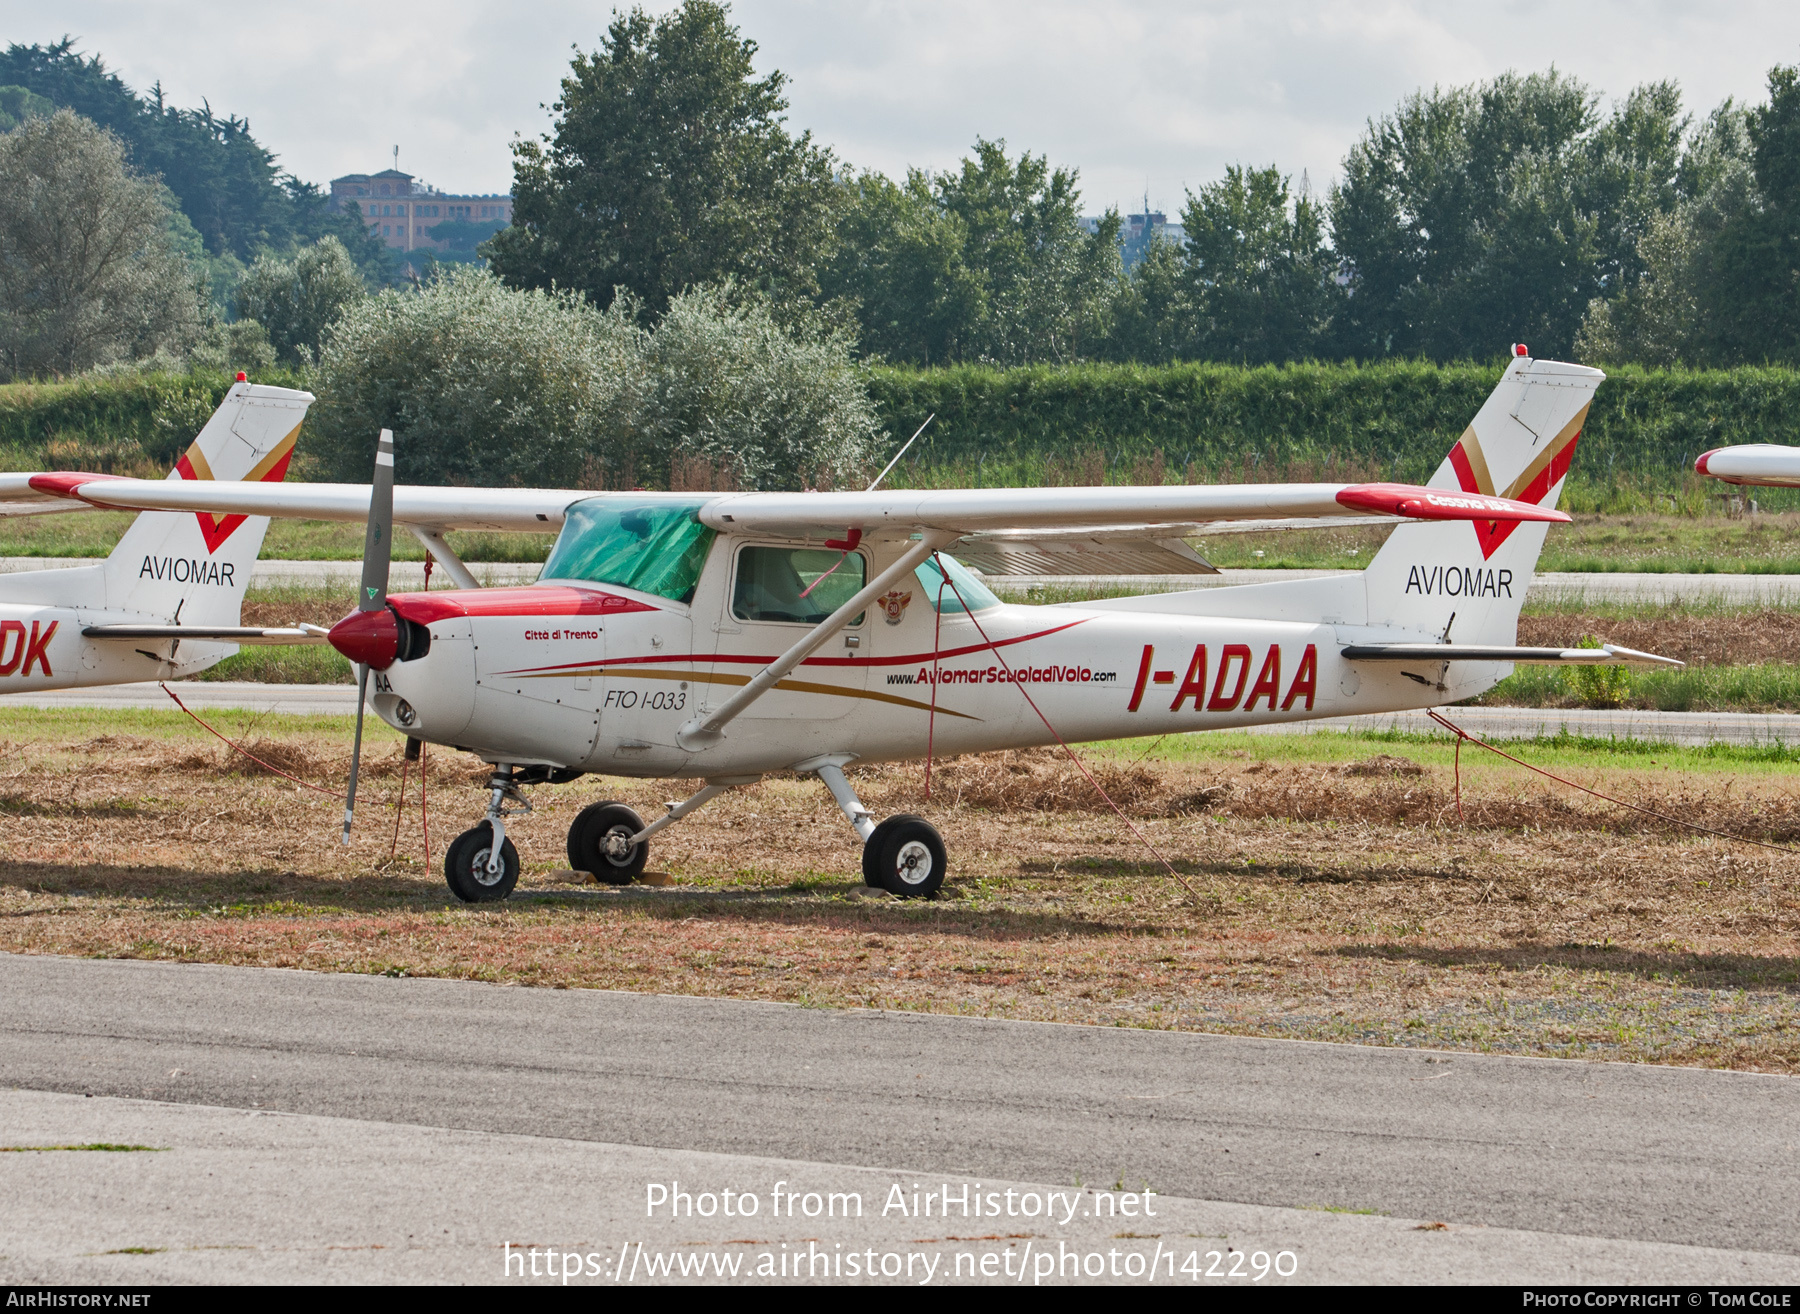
{"points": [[1335, 895]]}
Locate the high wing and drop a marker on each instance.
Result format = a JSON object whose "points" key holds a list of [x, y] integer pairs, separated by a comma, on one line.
{"points": [[1122, 549], [956, 511], [1766, 464]]}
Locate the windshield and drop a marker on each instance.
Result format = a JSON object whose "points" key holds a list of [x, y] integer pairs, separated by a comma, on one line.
{"points": [[973, 591], [654, 547]]}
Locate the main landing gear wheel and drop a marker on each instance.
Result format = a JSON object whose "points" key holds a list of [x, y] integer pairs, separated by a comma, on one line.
{"points": [[599, 844], [905, 856], [466, 867]]}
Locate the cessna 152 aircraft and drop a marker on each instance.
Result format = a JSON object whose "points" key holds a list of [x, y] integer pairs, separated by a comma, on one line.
{"points": [[718, 637]]}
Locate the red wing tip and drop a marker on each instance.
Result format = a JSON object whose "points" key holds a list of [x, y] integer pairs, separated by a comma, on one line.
{"points": [[1701, 460], [63, 483], [1439, 504]]}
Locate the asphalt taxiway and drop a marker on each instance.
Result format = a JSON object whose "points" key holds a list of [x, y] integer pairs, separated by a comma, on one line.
{"points": [[306, 1126]]}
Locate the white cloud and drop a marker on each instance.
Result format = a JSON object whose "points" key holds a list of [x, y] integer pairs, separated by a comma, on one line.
{"points": [[1136, 93]]}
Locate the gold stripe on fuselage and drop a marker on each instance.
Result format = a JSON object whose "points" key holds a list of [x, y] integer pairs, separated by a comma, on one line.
{"points": [[725, 677]]}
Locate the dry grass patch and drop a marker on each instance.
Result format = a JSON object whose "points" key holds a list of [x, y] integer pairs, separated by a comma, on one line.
{"points": [[1338, 899]]}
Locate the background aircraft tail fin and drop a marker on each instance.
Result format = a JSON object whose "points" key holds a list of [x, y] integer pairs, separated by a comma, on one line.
{"points": [[194, 567]]}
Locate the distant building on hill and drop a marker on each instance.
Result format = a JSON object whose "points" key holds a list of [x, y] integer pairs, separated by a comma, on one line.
{"points": [[405, 213]]}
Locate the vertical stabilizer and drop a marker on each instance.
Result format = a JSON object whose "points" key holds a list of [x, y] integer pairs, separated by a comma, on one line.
{"points": [[193, 567], [1519, 445]]}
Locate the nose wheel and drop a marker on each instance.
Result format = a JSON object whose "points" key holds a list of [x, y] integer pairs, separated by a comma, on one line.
{"points": [[467, 866], [905, 855]]}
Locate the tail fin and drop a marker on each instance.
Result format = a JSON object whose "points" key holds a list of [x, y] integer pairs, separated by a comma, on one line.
{"points": [[195, 566], [1519, 445]]}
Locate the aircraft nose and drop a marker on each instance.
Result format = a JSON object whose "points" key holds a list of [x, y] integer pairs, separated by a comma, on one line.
{"points": [[369, 637]]}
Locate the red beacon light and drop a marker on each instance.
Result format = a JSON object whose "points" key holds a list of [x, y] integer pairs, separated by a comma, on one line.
{"points": [[1520, 349], [245, 378]]}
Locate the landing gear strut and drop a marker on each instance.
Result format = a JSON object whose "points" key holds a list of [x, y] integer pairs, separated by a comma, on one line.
{"points": [[482, 865], [904, 855]]}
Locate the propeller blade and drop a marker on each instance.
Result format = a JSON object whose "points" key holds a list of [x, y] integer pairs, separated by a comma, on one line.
{"points": [[378, 552], [362, 695], [378, 539]]}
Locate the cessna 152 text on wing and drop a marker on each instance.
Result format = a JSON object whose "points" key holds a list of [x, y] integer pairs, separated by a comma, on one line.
{"points": [[719, 637]]}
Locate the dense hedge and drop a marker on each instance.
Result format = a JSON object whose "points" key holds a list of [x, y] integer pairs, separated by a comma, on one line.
{"points": [[111, 420], [1004, 425], [1397, 418]]}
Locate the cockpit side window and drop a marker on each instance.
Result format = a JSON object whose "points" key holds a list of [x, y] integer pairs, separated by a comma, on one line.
{"points": [[653, 547], [795, 584]]}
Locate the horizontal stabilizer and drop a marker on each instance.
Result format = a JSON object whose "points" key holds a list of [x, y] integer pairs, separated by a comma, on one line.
{"points": [[1606, 655], [252, 634]]}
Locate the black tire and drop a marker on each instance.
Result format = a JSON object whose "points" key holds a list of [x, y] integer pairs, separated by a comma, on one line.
{"points": [[872, 848], [465, 867], [909, 857], [594, 845]]}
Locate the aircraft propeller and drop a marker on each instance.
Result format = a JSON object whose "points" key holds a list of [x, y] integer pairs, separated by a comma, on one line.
{"points": [[378, 551]]}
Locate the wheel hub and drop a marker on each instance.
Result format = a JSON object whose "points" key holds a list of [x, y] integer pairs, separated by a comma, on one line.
{"points": [[914, 863], [617, 846], [479, 865]]}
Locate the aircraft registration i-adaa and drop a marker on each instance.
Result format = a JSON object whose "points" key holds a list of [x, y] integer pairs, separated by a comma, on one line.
{"points": [[719, 637]]}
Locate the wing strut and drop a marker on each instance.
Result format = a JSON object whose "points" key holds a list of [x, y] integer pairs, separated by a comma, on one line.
{"points": [[708, 728], [433, 542]]}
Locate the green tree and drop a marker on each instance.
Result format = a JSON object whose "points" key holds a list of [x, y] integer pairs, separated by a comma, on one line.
{"points": [[1048, 284], [1672, 309], [297, 300], [778, 405], [1477, 215], [18, 104], [87, 272], [900, 265], [1153, 316], [1260, 273], [227, 183], [481, 384], [669, 166], [1749, 282], [486, 384]]}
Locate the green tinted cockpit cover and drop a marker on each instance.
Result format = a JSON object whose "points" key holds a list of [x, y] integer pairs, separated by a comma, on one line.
{"points": [[653, 547]]}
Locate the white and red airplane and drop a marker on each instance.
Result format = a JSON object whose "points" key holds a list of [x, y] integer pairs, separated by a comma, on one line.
{"points": [[718, 637], [1757, 465], [167, 601]]}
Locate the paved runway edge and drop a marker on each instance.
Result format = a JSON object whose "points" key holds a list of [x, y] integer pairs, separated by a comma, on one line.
{"points": [[370, 1201], [1630, 1153]]}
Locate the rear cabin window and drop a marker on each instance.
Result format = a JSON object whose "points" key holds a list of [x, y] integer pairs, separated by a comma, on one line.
{"points": [[653, 547], [795, 584]]}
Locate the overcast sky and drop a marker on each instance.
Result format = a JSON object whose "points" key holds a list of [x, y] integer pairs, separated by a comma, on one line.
{"points": [[1135, 93]]}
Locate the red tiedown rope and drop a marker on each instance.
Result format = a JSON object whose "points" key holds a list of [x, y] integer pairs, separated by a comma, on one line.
{"points": [[1462, 734], [1073, 757]]}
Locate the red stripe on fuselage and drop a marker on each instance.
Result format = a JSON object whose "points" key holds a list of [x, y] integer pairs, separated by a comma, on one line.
{"points": [[529, 601]]}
